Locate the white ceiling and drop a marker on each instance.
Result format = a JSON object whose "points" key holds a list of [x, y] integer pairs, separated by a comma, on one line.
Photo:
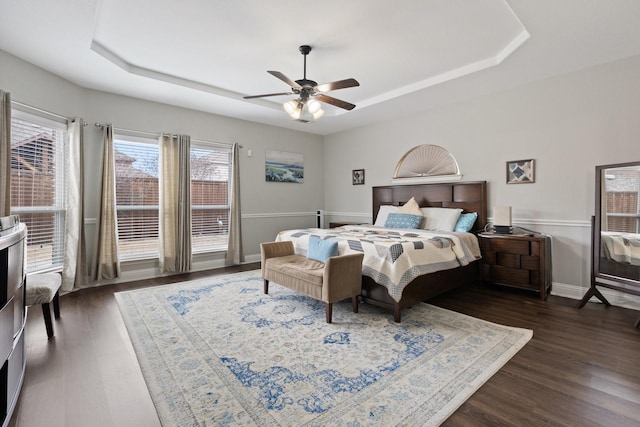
{"points": [[408, 55]]}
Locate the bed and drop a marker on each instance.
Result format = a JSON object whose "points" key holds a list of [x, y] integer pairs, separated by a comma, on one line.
{"points": [[620, 254], [457, 263]]}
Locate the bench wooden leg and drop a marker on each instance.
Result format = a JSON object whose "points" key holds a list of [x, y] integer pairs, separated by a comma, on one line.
{"points": [[354, 302], [329, 312], [266, 286], [396, 312], [56, 305], [46, 313]]}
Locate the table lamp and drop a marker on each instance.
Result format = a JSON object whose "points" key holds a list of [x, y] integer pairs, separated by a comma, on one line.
{"points": [[502, 219]]}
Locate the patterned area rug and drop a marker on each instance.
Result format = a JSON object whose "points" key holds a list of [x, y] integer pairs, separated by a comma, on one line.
{"points": [[218, 351]]}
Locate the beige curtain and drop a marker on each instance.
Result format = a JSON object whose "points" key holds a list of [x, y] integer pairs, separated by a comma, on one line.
{"points": [[74, 271], [234, 250], [106, 264], [5, 153], [175, 203]]}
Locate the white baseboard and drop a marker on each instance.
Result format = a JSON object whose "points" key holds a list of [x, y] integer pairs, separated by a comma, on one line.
{"points": [[619, 299]]}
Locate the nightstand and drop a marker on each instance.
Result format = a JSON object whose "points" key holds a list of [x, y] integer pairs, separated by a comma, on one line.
{"points": [[340, 224], [517, 260]]}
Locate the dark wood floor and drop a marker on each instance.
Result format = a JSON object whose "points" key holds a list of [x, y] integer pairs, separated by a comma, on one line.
{"points": [[581, 368]]}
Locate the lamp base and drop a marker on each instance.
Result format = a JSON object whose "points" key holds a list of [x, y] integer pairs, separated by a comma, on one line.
{"points": [[502, 229]]}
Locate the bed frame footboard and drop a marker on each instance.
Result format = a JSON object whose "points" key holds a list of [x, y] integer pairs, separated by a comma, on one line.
{"points": [[420, 289]]}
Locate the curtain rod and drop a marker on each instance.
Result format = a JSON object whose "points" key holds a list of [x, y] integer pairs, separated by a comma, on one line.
{"points": [[157, 135], [40, 110]]}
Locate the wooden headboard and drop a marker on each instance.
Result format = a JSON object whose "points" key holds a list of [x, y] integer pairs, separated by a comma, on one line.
{"points": [[470, 196]]}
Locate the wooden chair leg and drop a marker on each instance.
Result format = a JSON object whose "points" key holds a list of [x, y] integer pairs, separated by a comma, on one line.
{"points": [[56, 305], [329, 312], [46, 313], [266, 286], [354, 302]]}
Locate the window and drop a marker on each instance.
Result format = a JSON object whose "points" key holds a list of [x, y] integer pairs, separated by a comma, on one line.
{"points": [[38, 182], [137, 206], [210, 167], [622, 188], [137, 197]]}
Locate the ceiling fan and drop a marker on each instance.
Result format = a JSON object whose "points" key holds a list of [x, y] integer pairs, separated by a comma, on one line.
{"points": [[307, 106]]}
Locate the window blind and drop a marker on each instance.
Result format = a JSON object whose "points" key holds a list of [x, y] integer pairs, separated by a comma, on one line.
{"points": [[38, 175], [210, 171], [136, 172]]}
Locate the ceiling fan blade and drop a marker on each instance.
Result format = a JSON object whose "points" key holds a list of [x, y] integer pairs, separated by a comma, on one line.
{"points": [[340, 84], [267, 94], [285, 79], [334, 101]]}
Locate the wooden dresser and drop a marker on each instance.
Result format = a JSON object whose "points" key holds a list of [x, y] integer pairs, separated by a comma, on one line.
{"points": [[521, 260]]}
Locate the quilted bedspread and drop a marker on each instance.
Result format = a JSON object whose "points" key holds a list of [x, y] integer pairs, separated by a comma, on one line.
{"points": [[622, 247], [394, 257]]}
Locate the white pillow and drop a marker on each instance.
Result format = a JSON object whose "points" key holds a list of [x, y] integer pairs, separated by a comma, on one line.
{"points": [[442, 219], [383, 213]]}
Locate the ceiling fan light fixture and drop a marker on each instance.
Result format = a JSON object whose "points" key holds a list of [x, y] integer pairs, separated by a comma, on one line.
{"points": [[290, 107], [303, 111], [314, 106]]}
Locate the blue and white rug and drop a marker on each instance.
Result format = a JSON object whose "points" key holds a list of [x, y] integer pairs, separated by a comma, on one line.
{"points": [[218, 351]]}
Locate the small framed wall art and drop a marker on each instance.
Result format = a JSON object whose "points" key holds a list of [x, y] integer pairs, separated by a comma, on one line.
{"points": [[357, 177], [520, 172]]}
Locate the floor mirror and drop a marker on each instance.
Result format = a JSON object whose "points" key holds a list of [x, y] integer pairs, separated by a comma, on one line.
{"points": [[615, 230]]}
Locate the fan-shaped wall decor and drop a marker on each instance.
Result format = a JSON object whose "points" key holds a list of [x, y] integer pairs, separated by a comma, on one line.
{"points": [[427, 162]]}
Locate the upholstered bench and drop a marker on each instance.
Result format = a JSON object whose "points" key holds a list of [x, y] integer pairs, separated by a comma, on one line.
{"points": [[338, 278], [42, 289]]}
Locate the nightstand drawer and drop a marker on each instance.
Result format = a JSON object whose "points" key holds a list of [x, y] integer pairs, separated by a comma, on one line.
{"points": [[507, 275], [521, 247], [507, 260], [530, 262]]}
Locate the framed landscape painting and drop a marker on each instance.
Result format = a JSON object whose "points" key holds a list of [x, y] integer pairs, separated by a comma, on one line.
{"points": [[520, 172], [281, 166]]}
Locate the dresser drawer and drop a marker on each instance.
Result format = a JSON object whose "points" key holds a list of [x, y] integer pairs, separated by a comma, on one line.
{"points": [[6, 329]]}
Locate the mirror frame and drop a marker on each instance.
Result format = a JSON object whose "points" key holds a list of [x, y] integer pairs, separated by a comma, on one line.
{"points": [[603, 279]]}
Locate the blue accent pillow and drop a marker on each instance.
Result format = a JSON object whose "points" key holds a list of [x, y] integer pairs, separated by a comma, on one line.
{"points": [[466, 221], [321, 250], [402, 220]]}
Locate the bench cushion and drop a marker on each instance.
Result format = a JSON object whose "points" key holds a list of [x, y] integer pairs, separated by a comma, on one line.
{"points": [[41, 288], [298, 268]]}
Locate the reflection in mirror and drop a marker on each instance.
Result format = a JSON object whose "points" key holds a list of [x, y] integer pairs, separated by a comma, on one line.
{"points": [[620, 221]]}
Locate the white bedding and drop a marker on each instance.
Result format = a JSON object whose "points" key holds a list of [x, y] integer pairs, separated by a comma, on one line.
{"points": [[394, 257], [622, 247]]}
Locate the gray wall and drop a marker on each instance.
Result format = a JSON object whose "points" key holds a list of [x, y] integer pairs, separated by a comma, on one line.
{"points": [[267, 207], [568, 124]]}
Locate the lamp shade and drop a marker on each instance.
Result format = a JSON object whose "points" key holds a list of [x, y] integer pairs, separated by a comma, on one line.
{"points": [[502, 216]]}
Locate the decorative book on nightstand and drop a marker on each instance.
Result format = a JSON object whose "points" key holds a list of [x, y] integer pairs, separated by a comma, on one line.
{"points": [[521, 260]]}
